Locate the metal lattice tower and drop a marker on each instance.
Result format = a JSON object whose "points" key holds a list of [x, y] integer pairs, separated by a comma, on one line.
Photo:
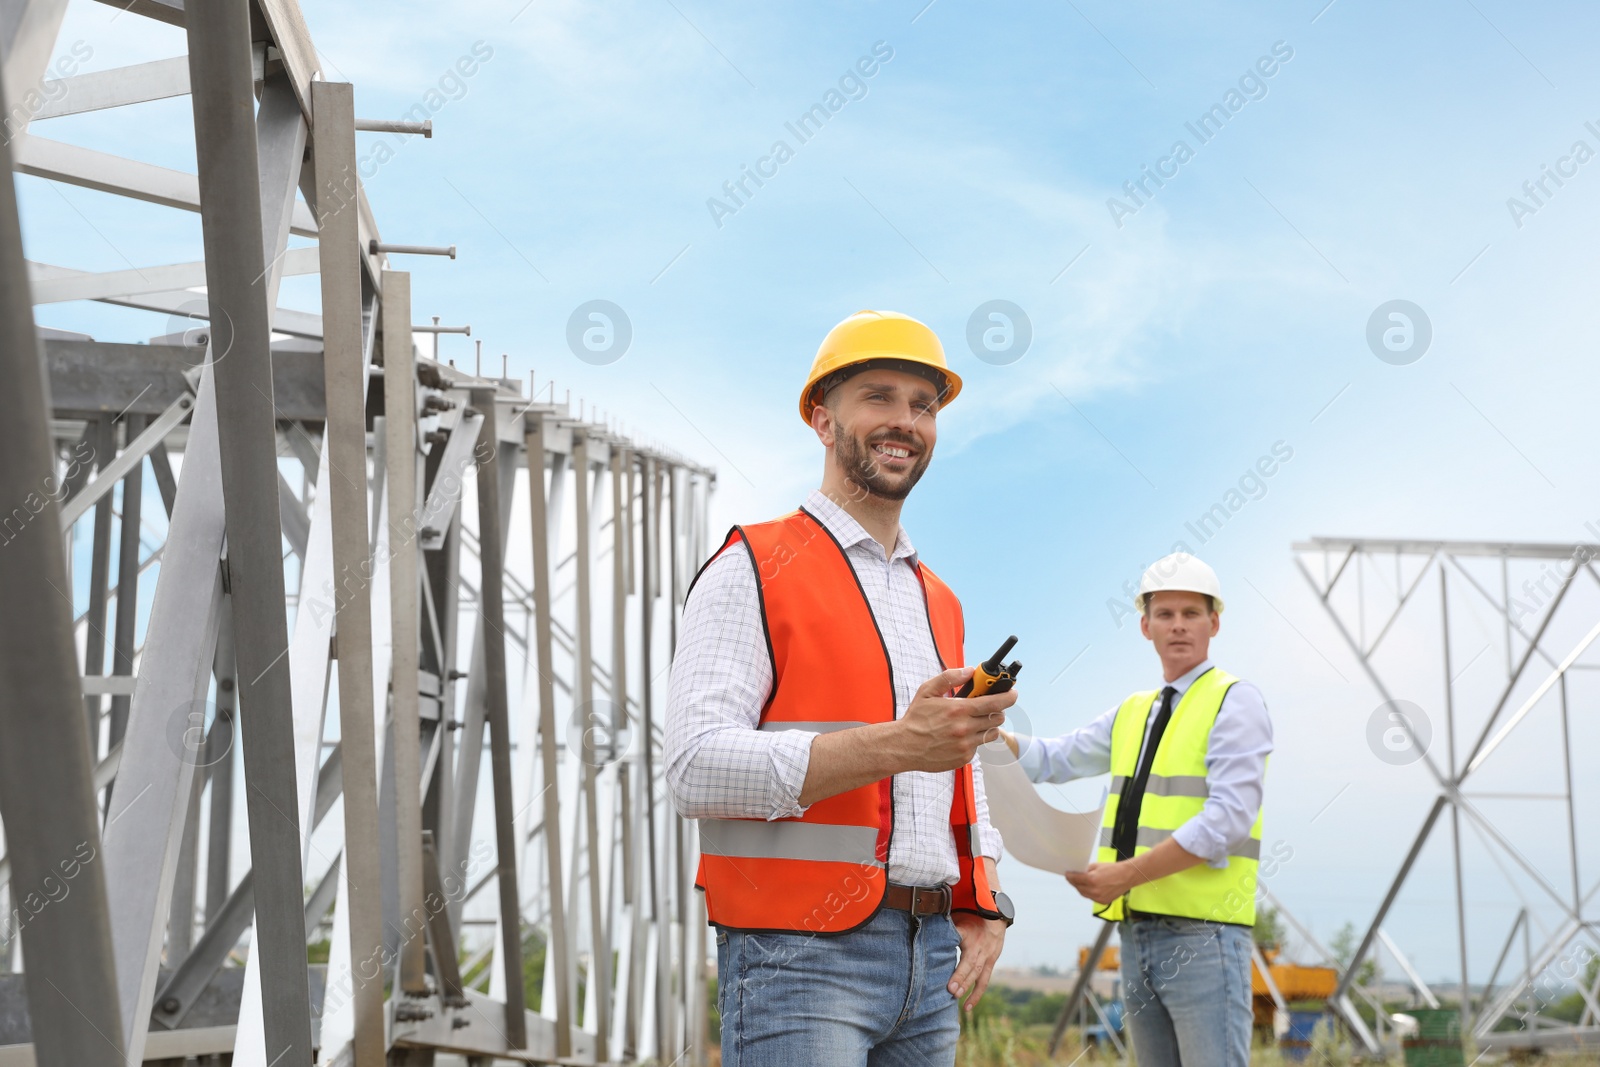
{"points": [[484, 590], [1546, 637]]}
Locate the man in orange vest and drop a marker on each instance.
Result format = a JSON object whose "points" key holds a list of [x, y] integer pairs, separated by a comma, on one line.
{"points": [[846, 853]]}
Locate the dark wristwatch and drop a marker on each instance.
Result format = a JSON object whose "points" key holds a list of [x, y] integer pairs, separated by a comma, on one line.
{"points": [[1007, 910]]}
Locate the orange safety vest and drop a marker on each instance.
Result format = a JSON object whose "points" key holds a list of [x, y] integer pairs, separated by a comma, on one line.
{"points": [[824, 872]]}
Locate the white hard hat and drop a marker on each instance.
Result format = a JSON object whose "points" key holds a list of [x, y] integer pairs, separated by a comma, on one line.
{"points": [[1179, 572]]}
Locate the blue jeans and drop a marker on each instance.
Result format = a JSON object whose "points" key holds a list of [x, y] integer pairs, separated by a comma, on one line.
{"points": [[1186, 992], [875, 996]]}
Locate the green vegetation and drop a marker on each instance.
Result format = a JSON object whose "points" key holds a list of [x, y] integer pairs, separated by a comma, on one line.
{"points": [[1270, 929], [1344, 945], [1570, 1007], [1011, 1028], [533, 949]]}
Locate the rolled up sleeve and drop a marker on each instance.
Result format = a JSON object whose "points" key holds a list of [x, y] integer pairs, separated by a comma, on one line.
{"points": [[718, 763], [1236, 764], [1080, 753]]}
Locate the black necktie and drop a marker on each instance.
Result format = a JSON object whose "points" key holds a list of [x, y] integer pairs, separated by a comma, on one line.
{"points": [[1126, 833]]}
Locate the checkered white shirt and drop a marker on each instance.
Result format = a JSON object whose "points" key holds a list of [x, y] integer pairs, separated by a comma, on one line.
{"points": [[720, 766]]}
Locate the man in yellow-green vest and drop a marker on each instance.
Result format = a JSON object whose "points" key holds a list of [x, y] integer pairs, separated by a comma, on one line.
{"points": [[1181, 839]]}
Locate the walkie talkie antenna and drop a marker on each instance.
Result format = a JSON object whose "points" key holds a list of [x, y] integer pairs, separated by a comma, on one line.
{"points": [[996, 661], [990, 673]]}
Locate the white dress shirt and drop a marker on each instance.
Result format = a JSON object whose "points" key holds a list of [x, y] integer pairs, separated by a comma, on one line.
{"points": [[719, 765], [1236, 764]]}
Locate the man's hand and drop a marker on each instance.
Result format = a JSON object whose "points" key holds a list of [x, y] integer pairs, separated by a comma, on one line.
{"points": [[1105, 882], [981, 941], [937, 733], [1011, 742], [940, 732]]}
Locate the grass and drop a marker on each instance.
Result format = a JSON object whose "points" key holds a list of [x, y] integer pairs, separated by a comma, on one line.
{"points": [[1011, 1028]]}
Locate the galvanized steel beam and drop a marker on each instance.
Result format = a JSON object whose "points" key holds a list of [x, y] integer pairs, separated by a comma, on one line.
{"points": [[334, 155], [232, 216], [44, 747], [400, 426], [492, 610]]}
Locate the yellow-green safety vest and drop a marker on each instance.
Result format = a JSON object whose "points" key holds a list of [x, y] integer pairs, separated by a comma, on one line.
{"points": [[1175, 793]]}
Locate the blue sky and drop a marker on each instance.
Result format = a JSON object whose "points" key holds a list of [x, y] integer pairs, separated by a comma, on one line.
{"points": [[1225, 317]]}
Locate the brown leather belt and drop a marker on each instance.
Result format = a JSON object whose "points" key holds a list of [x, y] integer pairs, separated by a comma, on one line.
{"points": [[918, 899]]}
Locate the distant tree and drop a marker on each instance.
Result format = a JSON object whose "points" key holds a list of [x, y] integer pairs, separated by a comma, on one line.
{"points": [[1570, 1008], [1344, 945], [1270, 929]]}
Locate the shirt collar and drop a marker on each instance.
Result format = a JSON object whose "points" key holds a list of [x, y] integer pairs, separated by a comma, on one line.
{"points": [[848, 532], [1183, 682]]}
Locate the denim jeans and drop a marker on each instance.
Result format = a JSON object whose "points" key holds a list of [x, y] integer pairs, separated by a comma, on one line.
{"points": [[1186, 992], [875, 996]]}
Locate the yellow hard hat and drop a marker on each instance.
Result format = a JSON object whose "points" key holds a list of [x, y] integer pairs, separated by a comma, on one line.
{"points": [[874, 335]]}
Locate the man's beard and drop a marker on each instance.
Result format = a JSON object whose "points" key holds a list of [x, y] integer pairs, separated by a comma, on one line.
{"points": [[860, 464]]}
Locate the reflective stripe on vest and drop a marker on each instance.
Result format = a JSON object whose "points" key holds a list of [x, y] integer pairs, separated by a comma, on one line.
{"points": [[1148, 837], [789, 840], [1175, 793], [825, 872], [1161, 785]]}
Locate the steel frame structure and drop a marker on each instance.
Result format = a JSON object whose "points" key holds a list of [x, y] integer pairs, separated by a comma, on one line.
{"points": [[405, 608], [1532, 673]]}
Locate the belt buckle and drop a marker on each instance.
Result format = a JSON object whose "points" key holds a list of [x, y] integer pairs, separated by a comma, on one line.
{"points": [[916, 896]]}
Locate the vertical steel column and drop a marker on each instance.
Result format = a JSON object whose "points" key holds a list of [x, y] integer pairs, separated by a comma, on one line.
{"points": [[1572, 815], [219, 758], [627, 877], [638, 839], [660, 866], [680, 892], [444, 574], [282, 162], [44, 750], [1505, 601], [223, 97], [598, 993], [561, 962], [334, 155], [400, 427], [180, 912], [94, 643], [473, 711], [674, 517], [491, 605], [1455, 809], [127, 582], [621, 534], [700, 1010]]}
